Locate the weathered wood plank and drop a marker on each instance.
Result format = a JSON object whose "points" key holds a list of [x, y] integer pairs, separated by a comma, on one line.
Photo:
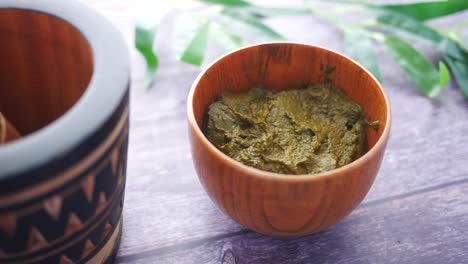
{"points": [[391, 232]]}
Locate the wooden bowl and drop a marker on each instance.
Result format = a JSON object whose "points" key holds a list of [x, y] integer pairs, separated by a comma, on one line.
{"points": [[278, 204], [64, 79]]}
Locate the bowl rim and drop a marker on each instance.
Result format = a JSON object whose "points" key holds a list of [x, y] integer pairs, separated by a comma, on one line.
{"points": [[381, 142], [109, 82]]}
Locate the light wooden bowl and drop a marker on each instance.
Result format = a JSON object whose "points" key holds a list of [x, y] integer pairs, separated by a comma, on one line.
{"points": [[64, 83], [278, 204]]}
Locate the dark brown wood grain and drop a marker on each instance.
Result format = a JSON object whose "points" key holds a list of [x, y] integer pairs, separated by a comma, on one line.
{"points": [[415, 199], [46, 65]]}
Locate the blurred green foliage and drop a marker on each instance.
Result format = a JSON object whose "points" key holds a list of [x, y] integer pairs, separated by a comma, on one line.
{"points": [[233, 23]]}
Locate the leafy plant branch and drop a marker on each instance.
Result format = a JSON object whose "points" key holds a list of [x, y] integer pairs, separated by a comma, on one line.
{"points": [[232, 23]]}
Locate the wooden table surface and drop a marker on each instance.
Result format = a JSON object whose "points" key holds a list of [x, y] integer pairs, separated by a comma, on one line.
{"points": [[416, 211]]}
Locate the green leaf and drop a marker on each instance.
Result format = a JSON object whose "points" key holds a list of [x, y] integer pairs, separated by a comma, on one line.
{"points": [[409, 25], [225, 39], [359, 47], [397, 21], [265, 11], [444, 78], [186, 27], [454, 55], [144, 40], [452, 49], [429, 10], [145, 33], [418, 67], [458, 37], [245, 23], [195, 51], [463, 42], [460, 71], [232, 3]]}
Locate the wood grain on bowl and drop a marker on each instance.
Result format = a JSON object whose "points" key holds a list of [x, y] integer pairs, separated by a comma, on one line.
{"points": [[7, 131], [46, 66], [275, 204]]}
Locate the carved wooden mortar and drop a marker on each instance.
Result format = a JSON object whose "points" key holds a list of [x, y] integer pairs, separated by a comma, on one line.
{"points": [[64, 80]]}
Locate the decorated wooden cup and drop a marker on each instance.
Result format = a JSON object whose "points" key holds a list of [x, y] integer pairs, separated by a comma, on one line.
{"points": [[279, 204], [64, 80]]}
